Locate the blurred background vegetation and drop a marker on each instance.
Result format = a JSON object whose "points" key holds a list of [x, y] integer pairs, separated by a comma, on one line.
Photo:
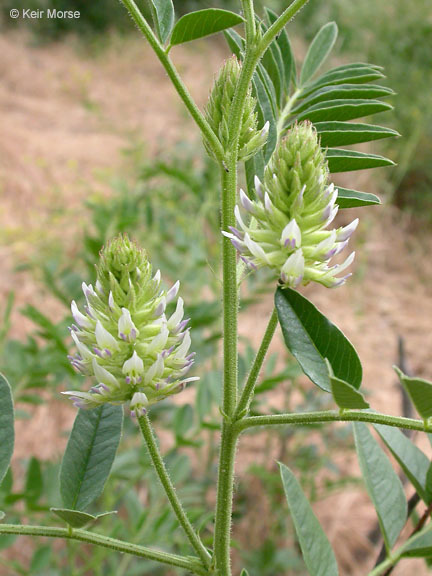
{"points": [[145, 203]]}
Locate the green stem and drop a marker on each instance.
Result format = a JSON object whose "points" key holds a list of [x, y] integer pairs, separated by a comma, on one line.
{"points": [[248, 389], [222, 534], [383, 567], [249, 14], [230, 292], [165, 480], [331, 416], [174, 76], [229, 436], [106, 542], [280, 23]]}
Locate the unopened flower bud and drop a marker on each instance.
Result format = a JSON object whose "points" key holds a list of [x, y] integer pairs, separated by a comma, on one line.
{"points": [[218, 111], [123, 338], [289, 219]]}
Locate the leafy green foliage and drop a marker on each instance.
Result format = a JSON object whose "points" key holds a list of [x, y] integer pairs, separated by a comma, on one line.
{"points": [[163, 18], [330, 101], [346, 396], [203, 23], [7, 433], [382, 483], [312, 338], [318, 51], [420, 392], [352, 198], [347, 160], [89, 455], [412, 460], [317, 552]]}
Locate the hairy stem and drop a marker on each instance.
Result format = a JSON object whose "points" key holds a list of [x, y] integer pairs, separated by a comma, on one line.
{"points": [[249, 14], [249, 387], [280, 23], [332, 416], [174, 76], [193, 565], [222, 537], [165, 480]]}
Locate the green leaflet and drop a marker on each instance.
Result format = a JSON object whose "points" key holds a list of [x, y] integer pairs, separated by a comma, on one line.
{"points": [[352, 74], [345, 395], [203, 23], [412, 460], [345, 133], [420, 392], [163, 16], [344, 92], [382, 483], [265, 113], [340, 160], [7, 432], [318, 51], [317, 552], [353, 198], [419, 545], [89, 455], [312, 338], [235, 42], [338, 110]]}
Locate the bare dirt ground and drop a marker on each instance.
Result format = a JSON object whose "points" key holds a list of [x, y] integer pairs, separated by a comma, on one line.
{"points": [[66, 119]]}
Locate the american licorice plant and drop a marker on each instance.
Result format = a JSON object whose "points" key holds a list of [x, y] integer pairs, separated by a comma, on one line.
{"points": [[287, 128]]}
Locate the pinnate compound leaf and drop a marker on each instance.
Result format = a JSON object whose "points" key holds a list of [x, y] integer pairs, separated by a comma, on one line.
{"points": [[163, 15], [411, 459], [340, 160], [89, 455], [311, 338], [78, 519], [318, 51], [203, 23], [7, 432], [382, 483], [353, 198], [420, 392], [345, 133], [346, 396], [317, 552]]}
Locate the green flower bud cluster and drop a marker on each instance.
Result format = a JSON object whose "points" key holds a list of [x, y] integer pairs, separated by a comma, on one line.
{"points": [[218, 110], [123, 337], [289, 220]]}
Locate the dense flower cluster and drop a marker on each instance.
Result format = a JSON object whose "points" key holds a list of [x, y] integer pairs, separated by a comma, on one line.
{"points": [[289, 219], [123, 337], [218, 112]]}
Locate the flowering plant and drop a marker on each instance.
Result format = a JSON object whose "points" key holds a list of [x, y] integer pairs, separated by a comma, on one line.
{"points": [[132, 343]]}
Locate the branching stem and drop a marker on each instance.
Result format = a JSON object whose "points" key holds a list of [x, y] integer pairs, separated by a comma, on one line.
{"points": [[194, 565], [332, 416]]}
